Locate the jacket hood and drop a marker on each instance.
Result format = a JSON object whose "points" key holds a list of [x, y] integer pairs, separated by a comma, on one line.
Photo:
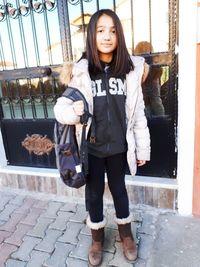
{"points": [[71, 69]]}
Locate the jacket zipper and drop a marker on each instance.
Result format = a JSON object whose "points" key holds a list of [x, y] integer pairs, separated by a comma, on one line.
{"points": [[108, 104]]}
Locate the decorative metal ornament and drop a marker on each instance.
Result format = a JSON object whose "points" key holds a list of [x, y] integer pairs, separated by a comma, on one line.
{"points": [[24, 10], [15, 11], [2, 13], [76, 2], [38, 144], [40, 6]]}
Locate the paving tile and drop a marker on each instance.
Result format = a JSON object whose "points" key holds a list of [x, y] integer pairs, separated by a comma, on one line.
{"points": [[110, 237], [23, 253], [53, 208], [40, 228], [41, 204], [59, 256], [4, 235], [81, 250], [137, 216], [16, 237], [8, 210], [18, 200], [2, 222], [4, 200], [48, 242], [119, 259], [85, 230], [80, 215], [71, 233], [37, 259], [53, 233], [6, 193], [27, 204], [6, 250], [107, 257], [72, 262], [10, 226], [145, 246], [141, 263], [15, 263], [70, 207], [148, 224], [61, 221], [32, 216]]}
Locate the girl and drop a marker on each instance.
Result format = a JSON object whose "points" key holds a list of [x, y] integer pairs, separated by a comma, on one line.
{"points": [[110, 79]]}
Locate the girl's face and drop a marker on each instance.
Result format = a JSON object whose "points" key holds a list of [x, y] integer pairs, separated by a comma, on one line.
{"points": [[106, 38]]}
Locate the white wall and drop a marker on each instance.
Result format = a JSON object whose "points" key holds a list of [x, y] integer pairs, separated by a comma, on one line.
{"points": [[3, 161], [186, 103]]}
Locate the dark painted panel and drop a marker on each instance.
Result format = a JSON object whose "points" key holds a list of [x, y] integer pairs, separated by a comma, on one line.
{"points": [[14, 133]]}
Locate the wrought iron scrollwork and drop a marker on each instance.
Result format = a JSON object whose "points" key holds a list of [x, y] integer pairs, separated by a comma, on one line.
{"points": [[14, 11], [40, 6], [76, 2]]}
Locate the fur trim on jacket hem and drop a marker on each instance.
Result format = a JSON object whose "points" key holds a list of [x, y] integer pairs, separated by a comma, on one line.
{"points": [[95, 226], [124, 220]]}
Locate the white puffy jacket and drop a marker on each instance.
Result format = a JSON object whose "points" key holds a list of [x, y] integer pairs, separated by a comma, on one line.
{"points": [[137, 135]]}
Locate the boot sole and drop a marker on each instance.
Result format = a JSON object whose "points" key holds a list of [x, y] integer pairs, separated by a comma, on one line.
{"points": [[131, 261], [91, 265]]}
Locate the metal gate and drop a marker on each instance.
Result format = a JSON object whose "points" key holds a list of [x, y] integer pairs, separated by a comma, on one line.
{"points": [[37, 36]]}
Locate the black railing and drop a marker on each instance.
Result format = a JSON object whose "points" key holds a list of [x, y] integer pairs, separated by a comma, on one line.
{"points": [[37, 36]]}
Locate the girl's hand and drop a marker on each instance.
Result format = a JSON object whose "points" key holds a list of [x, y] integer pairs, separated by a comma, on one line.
{"points": [[141, 162], [78, 107]]}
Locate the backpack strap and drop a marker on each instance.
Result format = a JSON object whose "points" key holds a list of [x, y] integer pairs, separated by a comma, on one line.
{"points": [[75, 95], [84, 150]]}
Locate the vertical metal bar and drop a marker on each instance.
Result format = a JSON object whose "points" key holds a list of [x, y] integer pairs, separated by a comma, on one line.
{"points": [[23, 40], [97, 2], [132, 27], [23, 114], [63, 16], [150, 24], [47, 37], [114, 5], [1, 108], [34, 36], [173, 76], [83, 22], [11, 39], [43, 95], [172, 24], [31, 100], [12, 113], [2, 56]]}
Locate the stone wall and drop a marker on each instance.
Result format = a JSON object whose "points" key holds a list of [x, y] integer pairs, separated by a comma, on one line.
{"points": [[148, 195]]}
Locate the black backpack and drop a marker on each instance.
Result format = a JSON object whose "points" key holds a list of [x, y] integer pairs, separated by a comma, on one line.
{"points": [[71, 162]]}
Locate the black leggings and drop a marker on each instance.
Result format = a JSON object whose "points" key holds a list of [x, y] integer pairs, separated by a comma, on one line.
{"points": [[115, 167]]}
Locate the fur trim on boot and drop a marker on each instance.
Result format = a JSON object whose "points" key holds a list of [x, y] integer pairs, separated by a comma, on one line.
{"points": [[124, 220], [95, 226]]}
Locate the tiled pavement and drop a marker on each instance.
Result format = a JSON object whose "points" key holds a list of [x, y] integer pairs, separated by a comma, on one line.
{"points": [[45, 230]]}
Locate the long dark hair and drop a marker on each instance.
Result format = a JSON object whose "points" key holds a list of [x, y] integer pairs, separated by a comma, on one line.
{"points": [[121, 58]]}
